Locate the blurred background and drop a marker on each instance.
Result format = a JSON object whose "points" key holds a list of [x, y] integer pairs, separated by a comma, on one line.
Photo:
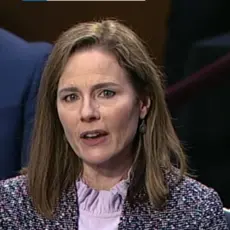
{"points": [[188, 39], [46, 20]]}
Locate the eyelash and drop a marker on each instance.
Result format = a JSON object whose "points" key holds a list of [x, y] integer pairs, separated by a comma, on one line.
{"points": [[68, 99], [109, 91]]}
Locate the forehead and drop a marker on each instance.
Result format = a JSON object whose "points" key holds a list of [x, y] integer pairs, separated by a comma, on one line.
{"points": [[92, 66]]}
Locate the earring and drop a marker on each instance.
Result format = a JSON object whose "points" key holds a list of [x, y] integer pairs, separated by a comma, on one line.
{"points": [[142, 127]]}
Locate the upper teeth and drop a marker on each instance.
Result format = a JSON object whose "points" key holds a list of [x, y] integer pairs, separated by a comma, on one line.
{"points": [[92, 134]]}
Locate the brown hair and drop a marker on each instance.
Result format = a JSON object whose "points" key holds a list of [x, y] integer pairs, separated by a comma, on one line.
{"points": [[53, 165]]}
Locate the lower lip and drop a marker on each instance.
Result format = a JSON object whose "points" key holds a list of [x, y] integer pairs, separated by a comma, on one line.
{"points": [[94, 141]]}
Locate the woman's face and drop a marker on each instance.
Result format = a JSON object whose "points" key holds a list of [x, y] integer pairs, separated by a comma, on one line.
{"points": [[97, 107]]}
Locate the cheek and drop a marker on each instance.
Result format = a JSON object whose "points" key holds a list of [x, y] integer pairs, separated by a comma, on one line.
{"points": [[66, 118], [124, 119], [68, 125]]}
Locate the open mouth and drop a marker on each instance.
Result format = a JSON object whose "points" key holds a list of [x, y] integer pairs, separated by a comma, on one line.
{"points": [[93, 134], [94, 137]]}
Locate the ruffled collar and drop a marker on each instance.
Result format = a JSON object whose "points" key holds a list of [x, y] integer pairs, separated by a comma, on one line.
{"points": [[102, 202]]}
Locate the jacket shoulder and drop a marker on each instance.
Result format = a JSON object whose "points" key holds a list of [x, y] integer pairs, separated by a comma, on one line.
{"points": [[12, 192], [195, 199], [186, 189], [14, 201], [194, 191], [13, 186]]}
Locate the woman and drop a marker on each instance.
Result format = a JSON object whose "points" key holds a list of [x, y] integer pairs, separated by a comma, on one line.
{"points": [[104, 152]]}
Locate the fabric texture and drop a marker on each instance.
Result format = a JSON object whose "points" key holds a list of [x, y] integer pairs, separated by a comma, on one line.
{"points": [[190, 205]]}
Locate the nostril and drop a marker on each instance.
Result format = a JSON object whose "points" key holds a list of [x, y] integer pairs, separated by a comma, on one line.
{"points": [[89, 118]]}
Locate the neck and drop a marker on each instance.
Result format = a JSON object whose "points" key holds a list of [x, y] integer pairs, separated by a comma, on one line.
{"points": [[105, 177]]}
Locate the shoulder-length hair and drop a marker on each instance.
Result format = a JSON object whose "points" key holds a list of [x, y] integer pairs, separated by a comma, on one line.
{"points": [[53, 166]]}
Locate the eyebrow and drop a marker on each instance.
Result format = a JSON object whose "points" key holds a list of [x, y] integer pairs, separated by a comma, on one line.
{"points": [[74, 89]]}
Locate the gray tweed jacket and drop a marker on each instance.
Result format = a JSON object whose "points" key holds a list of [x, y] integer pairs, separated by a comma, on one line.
{"points": [[190, 205]]}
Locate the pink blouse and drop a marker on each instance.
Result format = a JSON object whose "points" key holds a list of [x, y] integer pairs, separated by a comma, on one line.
{"points": [[100, 209]]}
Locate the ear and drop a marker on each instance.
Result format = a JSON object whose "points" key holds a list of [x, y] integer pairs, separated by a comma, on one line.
{"points": [[144, 107]]}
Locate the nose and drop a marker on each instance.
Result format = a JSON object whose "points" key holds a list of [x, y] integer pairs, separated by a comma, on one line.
{"points": [[89, 111]]}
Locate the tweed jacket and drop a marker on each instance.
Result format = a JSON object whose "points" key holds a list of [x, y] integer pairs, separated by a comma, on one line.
{"points": [[190, 205]]}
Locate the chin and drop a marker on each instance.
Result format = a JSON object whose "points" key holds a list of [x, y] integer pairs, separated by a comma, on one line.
{"points": [[97, 159]]}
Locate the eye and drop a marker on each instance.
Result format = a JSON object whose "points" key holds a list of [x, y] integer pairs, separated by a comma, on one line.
{"points": [[107, 93], [70, 98]]}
